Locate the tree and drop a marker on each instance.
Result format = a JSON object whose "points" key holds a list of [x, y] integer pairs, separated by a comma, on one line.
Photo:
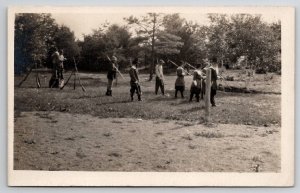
{"points": [[162, 43], [231, 37], [106, 41], [148, 27], [217, 36], [33, 37], [92, 48], [175, 25], [64, 39]]}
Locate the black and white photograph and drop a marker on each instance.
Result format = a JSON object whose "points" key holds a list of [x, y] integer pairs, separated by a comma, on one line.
{"points": [[151, 93]]}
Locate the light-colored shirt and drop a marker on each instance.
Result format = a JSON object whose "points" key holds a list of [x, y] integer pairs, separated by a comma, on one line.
{"points": [[61, 60], [159, 71]]}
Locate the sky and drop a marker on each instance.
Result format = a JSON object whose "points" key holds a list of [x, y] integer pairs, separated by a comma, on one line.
{"points": [[84, 23]]}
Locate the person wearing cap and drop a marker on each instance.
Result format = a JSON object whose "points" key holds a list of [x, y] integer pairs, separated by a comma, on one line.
{"points": [[134, 80], [159, 81], [180, 83], [111, 75]]}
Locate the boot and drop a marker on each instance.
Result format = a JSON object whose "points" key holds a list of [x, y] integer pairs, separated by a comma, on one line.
{"points": [[182, 96], [107, 93], [131, 96], [139, 98], [191, 97]]}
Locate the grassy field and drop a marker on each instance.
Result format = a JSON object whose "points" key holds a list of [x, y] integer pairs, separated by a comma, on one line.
{"points": [[74, 129], [235, 108]]}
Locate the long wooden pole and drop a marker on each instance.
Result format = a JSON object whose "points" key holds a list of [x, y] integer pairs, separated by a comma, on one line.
{"points": [[30, 70], [115, 67], [38, 82], [67, 80], [178, 66], [207, 95], [77, 75]]}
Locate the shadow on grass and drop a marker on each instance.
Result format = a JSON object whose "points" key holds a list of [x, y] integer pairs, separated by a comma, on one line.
{"points": [[233, 89], [193, 109], [114, 102], [89, 97]]}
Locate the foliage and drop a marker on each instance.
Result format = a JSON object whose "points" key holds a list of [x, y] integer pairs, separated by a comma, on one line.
{"points": [[111, 40], [190, 35], [64, 39], [161, 42], [230, 38], [35, 35], [244, 35]]}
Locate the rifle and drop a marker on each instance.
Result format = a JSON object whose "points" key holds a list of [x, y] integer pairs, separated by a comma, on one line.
{"points": [[115, 67]]}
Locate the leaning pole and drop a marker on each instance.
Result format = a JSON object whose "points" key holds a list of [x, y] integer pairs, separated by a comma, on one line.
{"points": [[207, 95]]}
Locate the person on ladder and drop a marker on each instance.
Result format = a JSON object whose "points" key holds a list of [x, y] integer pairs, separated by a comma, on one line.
{"points": [[111, 75]]}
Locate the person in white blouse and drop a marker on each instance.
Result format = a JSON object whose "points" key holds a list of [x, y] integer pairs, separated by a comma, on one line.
{"points": [[159, 83]]}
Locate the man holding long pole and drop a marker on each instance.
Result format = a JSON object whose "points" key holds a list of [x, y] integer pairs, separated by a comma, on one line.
{"points": [[134, 80], [111, 75]]}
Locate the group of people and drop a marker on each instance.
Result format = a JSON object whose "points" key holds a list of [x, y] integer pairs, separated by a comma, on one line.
{"points": [[197, 86]]}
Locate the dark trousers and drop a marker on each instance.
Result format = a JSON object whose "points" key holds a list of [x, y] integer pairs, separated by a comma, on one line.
{"points": [[135, 87], [57, 76], [213, 93], [179, 88], [60, 73], [195, 91], [159, 83]]}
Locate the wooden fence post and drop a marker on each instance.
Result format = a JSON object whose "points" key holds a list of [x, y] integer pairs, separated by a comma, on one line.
{"points": [[207, 95]]}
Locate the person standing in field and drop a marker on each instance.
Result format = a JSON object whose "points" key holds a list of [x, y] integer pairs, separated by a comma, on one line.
{"points": [[196, 86], [111, 75], [57, 59], [53, 83], [159, 81], [180, 83], [134, 80], [214, 77], [60, 67]]}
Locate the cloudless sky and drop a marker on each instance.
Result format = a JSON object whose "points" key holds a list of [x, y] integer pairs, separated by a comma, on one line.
{"points": [[84, 23]]}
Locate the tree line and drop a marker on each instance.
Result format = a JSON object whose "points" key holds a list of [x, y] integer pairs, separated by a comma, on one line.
{"points": [[150, 37]]}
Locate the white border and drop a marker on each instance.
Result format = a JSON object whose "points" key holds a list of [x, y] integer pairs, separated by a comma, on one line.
{"points": [[79, 178]]}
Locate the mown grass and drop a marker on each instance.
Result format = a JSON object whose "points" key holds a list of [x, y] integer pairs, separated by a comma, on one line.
{"points": [[236, 108]]}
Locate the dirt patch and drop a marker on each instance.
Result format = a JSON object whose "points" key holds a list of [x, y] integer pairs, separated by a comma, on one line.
{"points": [[83, 142]]}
